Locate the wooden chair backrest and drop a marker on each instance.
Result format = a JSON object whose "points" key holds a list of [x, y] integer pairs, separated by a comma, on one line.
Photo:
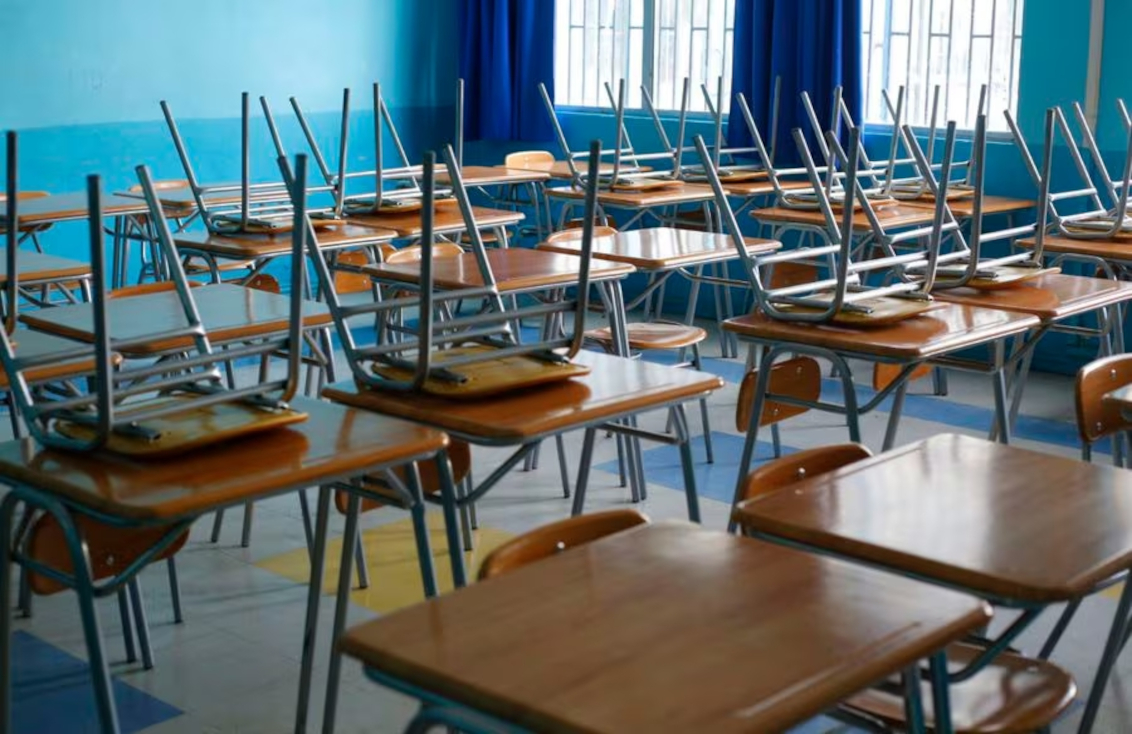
{"points": [[524, 158], [802, 465], [265, 282], [575, 234], [460, 457], [544, 542], [346, 282], [112, 549], [1095, 418], [799, 378], [440, 250]]}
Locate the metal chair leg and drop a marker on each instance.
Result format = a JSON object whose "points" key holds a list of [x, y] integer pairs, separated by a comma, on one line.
{"points": [[141, 624], [246, 534], [174, 589], [360, 560], [698, 366], [305, 508], [584, 471], [465, 518], [217, 523], [127, 626], [563, 466]]}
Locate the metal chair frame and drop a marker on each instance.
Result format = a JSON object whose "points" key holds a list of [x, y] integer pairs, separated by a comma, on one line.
{"points": [[491, 327], [261, 206], [107, 408], [1097, 220], [847, 285]]}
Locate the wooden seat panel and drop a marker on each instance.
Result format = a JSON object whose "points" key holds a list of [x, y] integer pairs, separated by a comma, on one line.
{"points": [[644, 336], [1013, 695]]}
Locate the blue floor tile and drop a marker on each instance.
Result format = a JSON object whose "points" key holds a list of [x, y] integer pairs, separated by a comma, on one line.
{"points": [[715, 481], [52, 693]]}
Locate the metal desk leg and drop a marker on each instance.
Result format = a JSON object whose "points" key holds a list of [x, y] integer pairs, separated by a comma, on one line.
{"points": [[584, 471], [341, 609], [913, 701], [420, 533], [1108, 659], [894, 416], [941, 693], [614, 301], [314, 592], [680, 418], [451, 520]]}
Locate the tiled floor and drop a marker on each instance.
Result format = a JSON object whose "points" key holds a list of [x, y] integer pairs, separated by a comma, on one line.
{"points": [[233, 665]]}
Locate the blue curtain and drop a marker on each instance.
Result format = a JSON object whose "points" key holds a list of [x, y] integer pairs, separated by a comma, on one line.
{"points": [[813, 45], [507, 49]]}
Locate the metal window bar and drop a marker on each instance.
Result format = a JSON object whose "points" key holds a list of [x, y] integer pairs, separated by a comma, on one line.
{"points": [[922, 38], [178, 383], [260, 207], [1096, 220], [423, 356]]}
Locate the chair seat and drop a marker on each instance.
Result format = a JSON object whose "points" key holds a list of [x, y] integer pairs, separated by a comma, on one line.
{"points": [[1012, 694], [654, 335]]}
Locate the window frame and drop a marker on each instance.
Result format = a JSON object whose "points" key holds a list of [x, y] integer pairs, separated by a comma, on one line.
{"points": [[963, 133], [651, 29]]}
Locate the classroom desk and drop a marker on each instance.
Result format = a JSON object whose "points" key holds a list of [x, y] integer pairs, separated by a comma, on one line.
{"points": [[935, 337], [664, 251], [56, 208], [901, 214], [1020, 528], [616, 388], [661, 628], [516, 270], [494, 176], [560, 170], [334, 445], [1112, 256], [230, 313], [964, 208], [1053, 298], [183, 201], [640, 203], [447, 221], [259, 249], [37, 270]]}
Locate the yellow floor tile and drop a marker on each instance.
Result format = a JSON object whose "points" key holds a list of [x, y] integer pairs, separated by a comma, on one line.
{"points": [[391, 554]]}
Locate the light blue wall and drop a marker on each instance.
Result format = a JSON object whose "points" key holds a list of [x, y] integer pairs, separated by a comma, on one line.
{"points": [[83, 79]]}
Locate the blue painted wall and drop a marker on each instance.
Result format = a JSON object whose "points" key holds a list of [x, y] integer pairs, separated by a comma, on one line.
{"points": [[85, 78]]}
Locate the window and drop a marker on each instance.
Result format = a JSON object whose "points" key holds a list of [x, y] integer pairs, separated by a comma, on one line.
{"points": [[655, 43], [959, 45]]}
